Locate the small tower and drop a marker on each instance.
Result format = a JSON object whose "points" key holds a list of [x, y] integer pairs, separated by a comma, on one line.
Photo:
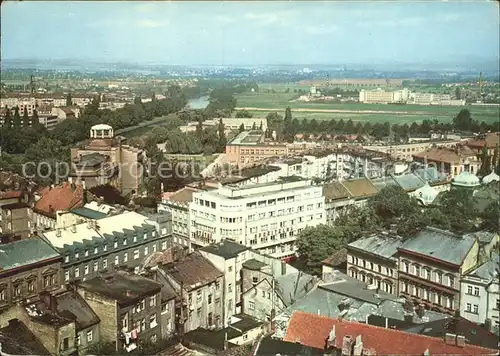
{"points": [[101, 132]]}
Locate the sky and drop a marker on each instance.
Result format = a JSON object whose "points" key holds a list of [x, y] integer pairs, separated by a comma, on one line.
{"points": [[252, 33]]}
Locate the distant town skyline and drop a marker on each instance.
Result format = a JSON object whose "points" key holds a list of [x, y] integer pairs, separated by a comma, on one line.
{"points": [[252, 33]]}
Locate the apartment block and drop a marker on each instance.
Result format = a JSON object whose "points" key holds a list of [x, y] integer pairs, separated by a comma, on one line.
{"points": [[249, 147], [228, 257], [431, 264], [266, 217], [107, 244], [129, 307], [16, 219]]}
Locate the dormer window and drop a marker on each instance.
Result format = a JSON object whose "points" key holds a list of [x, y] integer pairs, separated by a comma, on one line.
{"points": [[66, 258], [105, 247], [86, 253], [95, 251], [125, 242], [135, 238], [77, 255], [115, 244]]}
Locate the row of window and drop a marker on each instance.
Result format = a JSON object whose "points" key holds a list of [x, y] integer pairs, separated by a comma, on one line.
{"points": [[472, 308], [427, 273], [426, 295], [473, 290], [86, 252], [370, 265], [30, 285], [386, 286], [104, 262], [90, 337]]}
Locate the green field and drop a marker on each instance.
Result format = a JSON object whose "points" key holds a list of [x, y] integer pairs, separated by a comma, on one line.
{"points": [[360, 111]]}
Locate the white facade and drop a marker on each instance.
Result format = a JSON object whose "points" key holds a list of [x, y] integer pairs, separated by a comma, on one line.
{"points": [[266, 217], [480, 296], [231, 267]]}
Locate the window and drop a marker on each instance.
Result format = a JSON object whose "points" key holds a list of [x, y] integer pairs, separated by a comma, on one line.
{"points": [[125, 257], [152, 301], [89, 336], [115, 244], [105, 247], [125, 242], [230, 288], [66, 258], [475, 309], [230, 304], [416, 270], [66, 276], [117, 260], [198, 312], [406, 267], [451, 281], [251, 305], [96, 266], [78, 342], [469, 289], [152, 321], [164, 308], [164, 245], [105, 263], [255, 280], [476, 291], [153, 339], [217, 285], [66, 343], [136, 254], [210, 299], [77, 255], [439, 277], [86, 270], [427, 273], [3, 295], [230, 269], [146, 250], [86, 253], [143, 324], [77, 272], [95, 251]]}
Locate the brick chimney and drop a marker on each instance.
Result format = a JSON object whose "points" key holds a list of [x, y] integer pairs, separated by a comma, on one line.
{"points": [[460, 340], [358, 346], [330, 339], [449, 339]]}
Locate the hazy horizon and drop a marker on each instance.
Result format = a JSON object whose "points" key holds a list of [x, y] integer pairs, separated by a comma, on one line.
{"points": [[252, 33]]}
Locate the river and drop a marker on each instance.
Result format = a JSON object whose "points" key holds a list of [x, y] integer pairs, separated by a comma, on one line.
{"points": [[199, 103]]}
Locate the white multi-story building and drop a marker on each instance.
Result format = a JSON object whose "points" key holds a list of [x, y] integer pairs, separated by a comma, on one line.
{"points": [[266, 217], [480, 295]]}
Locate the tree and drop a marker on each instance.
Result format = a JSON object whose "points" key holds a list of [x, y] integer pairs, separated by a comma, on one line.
{"points": [[495, 161], [199, 128], [458, 93], [491, 217], [242, 127], [485, 159], [69, 100], [222, 136], [16, 122], [8, 118], [243, 113], [34, 118], [26, 118], [463, 120], [314, 244], [459, 206]]}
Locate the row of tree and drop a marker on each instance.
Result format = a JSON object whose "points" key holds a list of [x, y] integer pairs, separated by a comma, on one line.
{"points": [[393, 208], [288, 127]]}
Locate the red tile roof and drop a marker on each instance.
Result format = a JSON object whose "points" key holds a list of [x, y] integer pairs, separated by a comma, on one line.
{"points": [[313, 330], [59, 198], [444, 154], [11, 195], [491, 140]]}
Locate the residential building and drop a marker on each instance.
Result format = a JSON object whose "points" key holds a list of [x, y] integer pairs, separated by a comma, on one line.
{"points": [[451, 161], [266, 217], [431, 265], [406, 151], [335, 262], [352, 338], [374, 261], [337, 201], [65, 219], [249, 147], [200, 286], [17, 339], [228, 257], [16, 219], [54, 199], [480, 294], [27, 267], [61, 320], [66, 112], [234, 123], [104, 245], [360, 190], [128, 305], [490, 140], [11, 197], [48, 121], [105, 160]]}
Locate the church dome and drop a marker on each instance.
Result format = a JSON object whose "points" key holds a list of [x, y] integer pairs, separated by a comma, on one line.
{"points": [[492, 177], [426, 194], [466, 179]]}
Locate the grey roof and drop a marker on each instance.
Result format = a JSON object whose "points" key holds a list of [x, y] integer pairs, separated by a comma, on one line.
{"points": [[484, 237], [68, 303], [409, 182], [385, 246], [430, 174], [253, 264], [440, 244], [226, 249], [357, 290], [294, 286], [488, 269], [25, 252], [88, 213]]}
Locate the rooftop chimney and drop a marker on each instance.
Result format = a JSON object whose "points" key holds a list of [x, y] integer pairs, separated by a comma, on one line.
{"points": [[449, 339], [129, 293], [460, 340], [347, 345], [283, 268], [358, 346], [330, 340]]}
